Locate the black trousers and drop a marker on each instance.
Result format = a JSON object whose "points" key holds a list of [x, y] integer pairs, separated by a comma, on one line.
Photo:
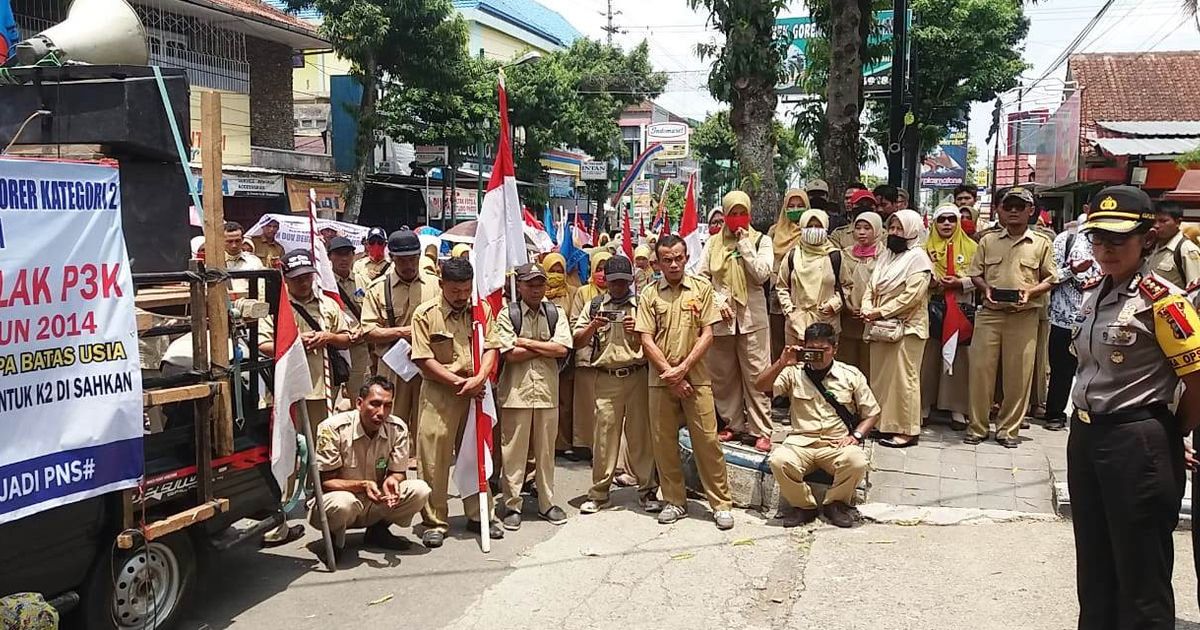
{"points": [[1062, 370], [1126, 483]]}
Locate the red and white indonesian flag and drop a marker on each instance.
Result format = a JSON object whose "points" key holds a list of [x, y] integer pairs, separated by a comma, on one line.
{"points": [[292, 385], [326, 281], [499, 246], [956, 328], [689, 227]]}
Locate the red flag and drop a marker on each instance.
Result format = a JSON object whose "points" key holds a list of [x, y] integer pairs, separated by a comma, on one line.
{"points": [[956, 328], [641, 227], [627, 236], [689, 226], [292, 385]]}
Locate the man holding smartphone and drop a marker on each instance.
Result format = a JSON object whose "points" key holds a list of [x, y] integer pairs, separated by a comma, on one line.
{"points": [[1013, 269], [832, 412]]}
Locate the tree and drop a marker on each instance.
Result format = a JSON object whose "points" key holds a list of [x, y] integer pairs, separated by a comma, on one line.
{"points": [[415, 43], [715, 144], [849, 23], [746, 69]]}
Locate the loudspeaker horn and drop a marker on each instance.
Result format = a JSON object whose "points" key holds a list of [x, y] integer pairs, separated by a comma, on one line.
{"points": [[97, 32]]}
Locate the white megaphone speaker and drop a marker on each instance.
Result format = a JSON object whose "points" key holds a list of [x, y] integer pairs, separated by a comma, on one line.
{"points": [[97, 32]]}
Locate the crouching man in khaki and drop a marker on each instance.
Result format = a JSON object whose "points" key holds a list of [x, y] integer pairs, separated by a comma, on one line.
{"points": [[363, 458], [832, 410]]}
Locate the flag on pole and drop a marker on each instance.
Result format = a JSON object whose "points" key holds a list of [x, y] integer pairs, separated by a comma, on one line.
{"points": [[9, 34], [548, 219], [576, 259], [627, 236], [536, 232], [326, 281], [499, 246], [956, 328], [641, 228], [583, 234], [689, 227], [292, 385]]}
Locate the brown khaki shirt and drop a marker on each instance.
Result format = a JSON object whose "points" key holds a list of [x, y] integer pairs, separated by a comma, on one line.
{"points": [[443, 334], [268, 253], [756, 259], [344, 446], [366, 271], [531, 384], [814, 420], [614, 348], [1006, 262], [325, 312], [1183, 250], [674, 316]]}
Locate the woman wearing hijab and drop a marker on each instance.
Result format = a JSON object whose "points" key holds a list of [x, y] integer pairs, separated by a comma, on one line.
{"points": [[583, 407], [805, 283], [939, 390], [895, 312], [785, 236], [562, 295], [858, 261], [738, 260], [716, 220]]}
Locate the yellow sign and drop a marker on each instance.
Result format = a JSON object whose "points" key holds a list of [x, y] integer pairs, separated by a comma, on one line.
{"points": [[235, 127], [329, 196]]}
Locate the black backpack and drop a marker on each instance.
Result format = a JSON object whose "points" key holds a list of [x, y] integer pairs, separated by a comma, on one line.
{"points": [[835, 259], [550, 312]]}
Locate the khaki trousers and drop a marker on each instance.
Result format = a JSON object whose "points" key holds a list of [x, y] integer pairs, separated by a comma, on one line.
{"points": [[1041, 370], [344, 510], [1004, 340], [443, 416], [407, 404], [735, 361], [667, 414], [523, 431], [777, 325], [566, 411], [896, 382], [583, 408], [622, 406], [360, 371], [948, 392], [790, 464], [852, 350]]}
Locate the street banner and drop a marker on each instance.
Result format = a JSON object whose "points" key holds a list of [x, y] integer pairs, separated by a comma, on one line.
{"points": [[70, 383], [946, 164], [329, 196], [294, 231]]}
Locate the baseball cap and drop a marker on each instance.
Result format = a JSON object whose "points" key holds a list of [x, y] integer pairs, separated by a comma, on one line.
{"points": [[296, 263], [404, 242], [530, 271], [1017, 192], [861, 195], [818, 185], [1120, 209], [340, 242], [376, 235], [618, 268]]}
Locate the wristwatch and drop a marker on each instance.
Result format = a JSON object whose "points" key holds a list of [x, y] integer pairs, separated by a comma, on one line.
{"points": [[858, 435]]}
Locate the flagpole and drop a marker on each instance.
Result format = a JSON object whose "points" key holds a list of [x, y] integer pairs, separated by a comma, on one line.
{"points": [[314, 473]]}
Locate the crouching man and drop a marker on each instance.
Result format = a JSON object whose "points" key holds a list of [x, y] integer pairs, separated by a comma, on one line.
{"points": [[832, 410], [363, 458]]}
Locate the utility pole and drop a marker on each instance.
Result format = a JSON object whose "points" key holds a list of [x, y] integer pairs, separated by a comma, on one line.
{"points": [[610, 28], [894, 150]]}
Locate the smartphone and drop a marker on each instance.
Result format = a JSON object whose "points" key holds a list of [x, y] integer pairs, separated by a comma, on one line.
{"points": [[611, 316], [1006, 295], [808, 355]]}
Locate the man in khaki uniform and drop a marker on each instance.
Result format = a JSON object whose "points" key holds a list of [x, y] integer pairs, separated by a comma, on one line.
{"points": [[622, 395], [738, 260], [387, 317], [441, 347], [1176, 258], [675, 319], [1013, 269], [341, 258], [268, 250], [375, 263], [533, 334], [330, 330], [363, 459], [820, 437]]}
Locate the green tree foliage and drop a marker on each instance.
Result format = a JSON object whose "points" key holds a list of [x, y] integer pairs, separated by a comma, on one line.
{"points": [[714, 142], [415, 43]]}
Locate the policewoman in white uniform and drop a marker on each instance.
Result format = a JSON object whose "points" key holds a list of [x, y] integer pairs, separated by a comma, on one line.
{"points": [[1136, 337]]}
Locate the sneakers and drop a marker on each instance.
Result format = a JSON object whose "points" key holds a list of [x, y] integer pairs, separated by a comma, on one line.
{"points": [[379, 536], [512, 521], [495, 532], [724, 519], [671, 513], [840, 514], [591, 507], [554, 515], [763, 444], [432, 538], [650, 503]]}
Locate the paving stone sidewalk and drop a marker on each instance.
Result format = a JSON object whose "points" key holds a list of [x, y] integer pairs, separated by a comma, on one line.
{"points": [[941, 471]]}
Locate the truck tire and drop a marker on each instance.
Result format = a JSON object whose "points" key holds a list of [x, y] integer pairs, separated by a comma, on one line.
{"points": [[147, 587]]}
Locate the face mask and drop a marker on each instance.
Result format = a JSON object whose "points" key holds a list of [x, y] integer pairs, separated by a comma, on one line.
{"points": [[555, 280], [968, 226], [714, 228], [657, 275], [896, 243], [737, 222], [376, 250], [599, 280], [794, 215], [814, 235]]}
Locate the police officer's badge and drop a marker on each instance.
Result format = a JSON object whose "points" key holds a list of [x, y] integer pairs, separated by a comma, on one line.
{"points": [[1108, 203], [1117, 357]]}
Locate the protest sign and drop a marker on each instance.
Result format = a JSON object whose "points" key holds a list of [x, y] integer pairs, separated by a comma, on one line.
{"points": [[70, 383], [295, 231]]}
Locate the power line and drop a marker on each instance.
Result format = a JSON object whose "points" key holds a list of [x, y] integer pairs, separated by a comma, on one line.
{"points": [[610, 28]]}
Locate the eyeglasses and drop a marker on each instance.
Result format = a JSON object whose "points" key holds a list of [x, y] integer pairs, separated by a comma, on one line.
{"points": [[1108, 239], [946, 218]]}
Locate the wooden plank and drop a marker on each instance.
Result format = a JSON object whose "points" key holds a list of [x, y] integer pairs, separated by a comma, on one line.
{"points": [[214, 246], [159, 297], [176, 522], [155, 397], [145, 320]]}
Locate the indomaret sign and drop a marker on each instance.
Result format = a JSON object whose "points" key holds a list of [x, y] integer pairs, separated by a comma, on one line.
{"points": [[70, 382]]}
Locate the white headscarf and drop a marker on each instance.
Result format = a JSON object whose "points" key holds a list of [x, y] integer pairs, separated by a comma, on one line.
{"points": [[893, 270]]}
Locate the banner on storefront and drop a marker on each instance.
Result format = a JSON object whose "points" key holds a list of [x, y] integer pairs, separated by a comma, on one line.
{"points": [[247, 185], [329, 196], [295, 232], [466, 204], [70, 383]]}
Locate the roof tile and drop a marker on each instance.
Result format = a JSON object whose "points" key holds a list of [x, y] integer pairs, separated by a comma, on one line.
{"points": [[1137, 86]]}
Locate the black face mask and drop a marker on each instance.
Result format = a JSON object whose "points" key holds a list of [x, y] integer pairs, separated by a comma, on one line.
{"points": [[897, 244], [818, 375]]}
